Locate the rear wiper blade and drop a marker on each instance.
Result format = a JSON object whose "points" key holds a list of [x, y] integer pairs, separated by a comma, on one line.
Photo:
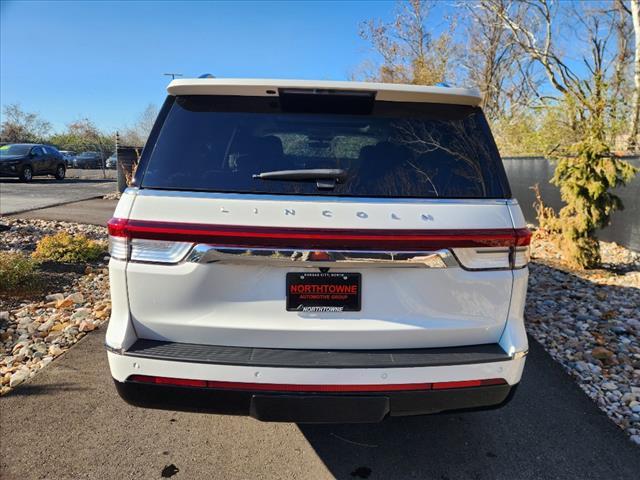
{"points": [[304, 174], [324, 177]]}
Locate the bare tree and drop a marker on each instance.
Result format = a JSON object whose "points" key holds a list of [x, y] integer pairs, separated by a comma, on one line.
{"points": [[586, 172], [410, 53], [534, 33], [136, 135], [494, 62], [620, 87], [21, 126]]}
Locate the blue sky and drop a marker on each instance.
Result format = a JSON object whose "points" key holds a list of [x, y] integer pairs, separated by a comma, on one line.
{"points": [[105, 60]]}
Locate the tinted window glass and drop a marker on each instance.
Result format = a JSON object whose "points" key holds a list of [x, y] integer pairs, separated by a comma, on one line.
{"points": [[7, 150], [423, 150]]}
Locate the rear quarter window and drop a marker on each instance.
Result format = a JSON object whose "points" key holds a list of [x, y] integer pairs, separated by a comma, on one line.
{"points": [[215, 143]]}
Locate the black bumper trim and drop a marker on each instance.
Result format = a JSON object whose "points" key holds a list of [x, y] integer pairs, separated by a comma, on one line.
{"points": [[313, 407], [295, 358]]}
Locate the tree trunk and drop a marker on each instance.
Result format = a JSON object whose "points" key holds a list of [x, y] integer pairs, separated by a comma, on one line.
{"points": [[633, 143]]}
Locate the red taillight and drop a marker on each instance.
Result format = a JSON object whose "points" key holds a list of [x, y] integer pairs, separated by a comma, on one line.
{"points": [[523, 237], [468, 383], [117, 227], [277, 387], [308, 238]]}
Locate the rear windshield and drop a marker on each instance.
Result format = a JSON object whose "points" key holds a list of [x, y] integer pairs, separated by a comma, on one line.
{"points": [[420, 150]]}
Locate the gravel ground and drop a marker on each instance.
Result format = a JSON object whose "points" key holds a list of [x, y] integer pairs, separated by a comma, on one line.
{"points": [[25, 234], [589, 321], [33, 332]]}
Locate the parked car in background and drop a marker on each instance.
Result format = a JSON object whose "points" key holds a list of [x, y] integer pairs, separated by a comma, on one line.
{"points": [[68, 156], [318, 252], [26, 160], [88, 160], [111, 161]]}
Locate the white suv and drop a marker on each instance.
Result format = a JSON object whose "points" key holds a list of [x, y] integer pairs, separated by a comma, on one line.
{"points": [[318, 251]]}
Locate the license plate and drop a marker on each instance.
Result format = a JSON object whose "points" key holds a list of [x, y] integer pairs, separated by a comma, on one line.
{"points": [[323, 292]]}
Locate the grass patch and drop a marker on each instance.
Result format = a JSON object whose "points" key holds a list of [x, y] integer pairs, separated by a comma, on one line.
{"points": [[18, 274], [63, 247]]}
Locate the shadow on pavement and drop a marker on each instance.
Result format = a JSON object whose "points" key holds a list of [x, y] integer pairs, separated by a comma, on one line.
{"points": [[30, 389], [551, 429]]}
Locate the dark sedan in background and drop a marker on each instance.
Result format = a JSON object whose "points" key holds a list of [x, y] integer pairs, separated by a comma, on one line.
{"points": [[26, 160], [88, 160]]}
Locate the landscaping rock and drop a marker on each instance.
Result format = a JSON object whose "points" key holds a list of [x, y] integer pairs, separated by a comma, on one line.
{"points": [[33, 333], [46, 326], [86, 326], [76, 298], [55, 297], [54, 350], [18, 377], [589, 321], [66, 303], [601, 353], [79, 314]]}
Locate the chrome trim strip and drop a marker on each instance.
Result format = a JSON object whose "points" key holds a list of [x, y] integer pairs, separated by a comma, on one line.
{"points": [[150, 192], [203, 253]]}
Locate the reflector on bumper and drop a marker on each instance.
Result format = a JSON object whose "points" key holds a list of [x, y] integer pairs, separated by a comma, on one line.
{"points": [[275, 387]]}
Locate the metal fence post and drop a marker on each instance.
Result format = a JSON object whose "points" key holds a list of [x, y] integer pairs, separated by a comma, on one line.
{"points": [[122, 179]]}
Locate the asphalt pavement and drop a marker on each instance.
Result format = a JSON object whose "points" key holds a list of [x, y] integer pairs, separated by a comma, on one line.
{"points": [[68, 423], [94, 211], [42, 192]]}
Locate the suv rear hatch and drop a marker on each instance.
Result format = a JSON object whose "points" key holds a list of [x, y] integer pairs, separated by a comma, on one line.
{"points": [[407, 202]]}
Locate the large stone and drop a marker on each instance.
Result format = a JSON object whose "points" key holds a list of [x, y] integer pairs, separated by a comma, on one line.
{"points": [[627, 398], [4, 316], [76, 297], [54, 297], [66, 303], [80, 314], [601, 353], [55, 350], [18, 377], [46, 326], [59, 327], [86, 326]]}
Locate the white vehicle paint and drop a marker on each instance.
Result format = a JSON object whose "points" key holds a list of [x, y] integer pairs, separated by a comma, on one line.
{"points": [[199, 275]]}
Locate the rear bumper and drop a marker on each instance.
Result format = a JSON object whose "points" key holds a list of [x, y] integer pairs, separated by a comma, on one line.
{"points": [[311, 407], [313, 386]]}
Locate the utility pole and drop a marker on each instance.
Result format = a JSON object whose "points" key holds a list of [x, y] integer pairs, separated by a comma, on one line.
{"points": [[173, 75]]}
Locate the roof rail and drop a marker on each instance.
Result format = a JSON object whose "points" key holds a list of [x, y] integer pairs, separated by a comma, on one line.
{"points": [[206, 75]]}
